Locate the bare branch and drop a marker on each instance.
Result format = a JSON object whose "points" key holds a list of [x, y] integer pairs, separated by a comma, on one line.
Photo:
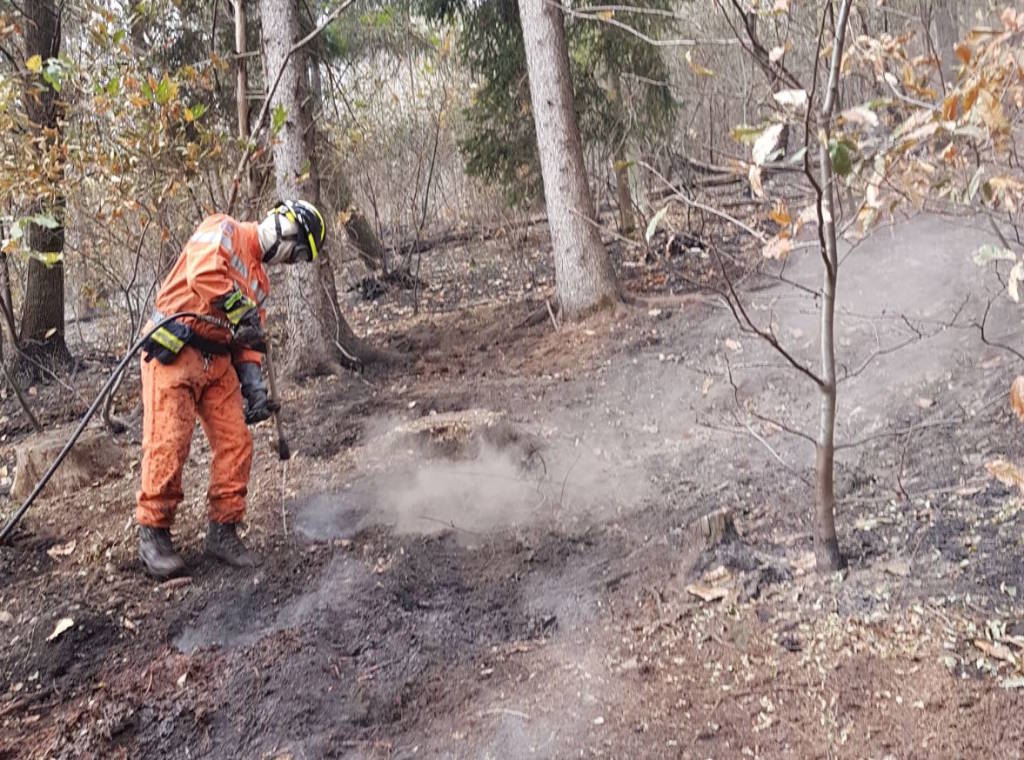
{"points": [[773, 70], [757, 415], [984, 338], [600, 14], [743, 319], [698, 205], [897, 433]]}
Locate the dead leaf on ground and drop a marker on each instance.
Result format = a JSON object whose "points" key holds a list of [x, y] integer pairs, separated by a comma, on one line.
{"points": [[62, 550], [707, 593], [1006, 473], [1017, 641], [63, 625], [898, 567], [996, 650], [1017, 396], [718, 574], [710, 587], [778, 247]]}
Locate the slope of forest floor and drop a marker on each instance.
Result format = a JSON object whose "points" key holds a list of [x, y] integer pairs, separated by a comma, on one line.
{"points": [[491, 553]]}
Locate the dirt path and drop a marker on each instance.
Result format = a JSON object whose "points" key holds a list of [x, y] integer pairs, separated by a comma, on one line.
{"points": [[513, 581]]}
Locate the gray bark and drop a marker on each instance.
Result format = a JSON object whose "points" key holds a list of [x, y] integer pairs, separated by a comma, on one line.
{"points": [[241, 78], [584, 278], [947, 34], [318, 337]]}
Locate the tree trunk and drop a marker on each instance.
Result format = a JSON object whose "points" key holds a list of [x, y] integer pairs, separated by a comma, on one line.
{"points": [[947, 34], [362, 235], [623, 197], [7, 305], [42, 320], [318, 337], [826, 543], [584, 278], [242, 100], [241, 74]]}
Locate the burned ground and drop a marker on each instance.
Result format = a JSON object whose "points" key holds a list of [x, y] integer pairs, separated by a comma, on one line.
{"points": [[490, 554]]}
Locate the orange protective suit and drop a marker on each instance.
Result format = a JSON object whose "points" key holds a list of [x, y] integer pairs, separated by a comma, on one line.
{"points": [[220, 255]]}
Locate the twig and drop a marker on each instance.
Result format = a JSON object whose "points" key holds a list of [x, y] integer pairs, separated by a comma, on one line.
{"points": [[22, 401], [754, 413], [551, 313], [992, 343], [565, 480], [607, 17], [703, 207], [895, 433], [747, 325], [504, 711], [284, 485], [449, 524], [760, 439]]}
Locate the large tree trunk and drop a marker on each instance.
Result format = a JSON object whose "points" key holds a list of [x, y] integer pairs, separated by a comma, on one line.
{"points": [[318, 337], [42, 320], [584, 278], [947, 33]]}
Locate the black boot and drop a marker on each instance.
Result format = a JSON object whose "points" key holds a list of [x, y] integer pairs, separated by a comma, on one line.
{"points": [[222, 542], [157, 553]]}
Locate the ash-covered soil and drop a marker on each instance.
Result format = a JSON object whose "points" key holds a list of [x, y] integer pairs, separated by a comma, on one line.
{"points": [[491, 553]]}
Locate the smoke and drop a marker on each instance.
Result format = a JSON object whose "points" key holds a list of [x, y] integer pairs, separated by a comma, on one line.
{"points": [[508, 477], [491, 490]]}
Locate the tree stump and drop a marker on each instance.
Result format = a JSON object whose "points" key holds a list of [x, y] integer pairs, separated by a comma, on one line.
{"points": [[92, 459], [714, 528]]}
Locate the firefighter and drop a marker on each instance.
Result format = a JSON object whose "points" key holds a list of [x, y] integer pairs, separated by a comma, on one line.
{"points": [[193, 368]]}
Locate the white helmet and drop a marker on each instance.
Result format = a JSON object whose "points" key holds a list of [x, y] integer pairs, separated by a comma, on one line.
{"points": [[292, 231]]}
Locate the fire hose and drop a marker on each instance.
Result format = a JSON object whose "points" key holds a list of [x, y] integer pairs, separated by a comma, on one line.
{"points": [[283, 450]]}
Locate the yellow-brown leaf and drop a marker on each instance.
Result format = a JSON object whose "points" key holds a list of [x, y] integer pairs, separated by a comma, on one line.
{"points": [[1017, 396], [1006, 473], [780, 215], [949, 107]]}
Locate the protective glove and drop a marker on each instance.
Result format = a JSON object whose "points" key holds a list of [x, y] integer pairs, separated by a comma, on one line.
{"points": [[236, 306], [249, 333], [258, 406]]}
